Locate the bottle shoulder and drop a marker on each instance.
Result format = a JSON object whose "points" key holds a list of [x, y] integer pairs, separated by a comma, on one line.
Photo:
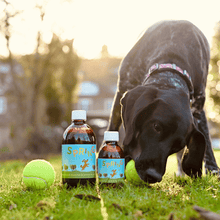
{"points": [[111, 151], [78, 133], [77, 127]]}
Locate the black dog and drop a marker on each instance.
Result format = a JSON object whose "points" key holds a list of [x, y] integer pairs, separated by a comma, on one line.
{"points": [[161, 88]]}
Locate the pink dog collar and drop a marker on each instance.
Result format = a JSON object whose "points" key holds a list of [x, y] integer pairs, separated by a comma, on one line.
{"points": [[166, 66]]}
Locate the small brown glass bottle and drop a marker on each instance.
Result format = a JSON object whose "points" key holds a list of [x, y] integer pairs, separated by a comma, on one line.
{"points": [[78, 152], [111, 162]]}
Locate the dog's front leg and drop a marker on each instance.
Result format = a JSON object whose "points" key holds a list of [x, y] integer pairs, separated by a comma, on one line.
{"points": [[115, 116], [209, 158], [179, 156]]}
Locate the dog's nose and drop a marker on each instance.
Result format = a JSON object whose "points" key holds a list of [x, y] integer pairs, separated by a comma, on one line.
{"points": [[151, 176]]}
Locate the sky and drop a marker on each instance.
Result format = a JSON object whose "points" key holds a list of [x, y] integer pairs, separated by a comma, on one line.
{"points": [[94, 23]]}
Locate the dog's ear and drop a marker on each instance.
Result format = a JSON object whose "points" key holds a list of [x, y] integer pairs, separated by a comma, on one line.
{"points": [[194, 154], [133, 103]]}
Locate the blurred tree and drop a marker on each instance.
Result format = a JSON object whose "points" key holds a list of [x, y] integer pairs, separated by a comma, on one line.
{"points": [[38, 74], [61, 79], [71, 64], [213, 106], [56, 79], [51, 91]]}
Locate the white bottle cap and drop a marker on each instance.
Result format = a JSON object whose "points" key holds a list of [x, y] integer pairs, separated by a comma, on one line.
{"points": [[111, 136], [78, 115]]}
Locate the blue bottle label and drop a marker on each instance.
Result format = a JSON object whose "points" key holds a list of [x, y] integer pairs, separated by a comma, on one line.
{"points": [[111, 170], [78, 161]]}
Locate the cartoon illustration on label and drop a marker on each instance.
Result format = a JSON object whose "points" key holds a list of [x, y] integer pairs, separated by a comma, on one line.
{"points": [[85, 164], [114, 173]]}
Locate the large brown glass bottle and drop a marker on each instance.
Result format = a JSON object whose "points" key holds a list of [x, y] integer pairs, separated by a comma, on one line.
{"points": [[111, 162], [78, 152]]}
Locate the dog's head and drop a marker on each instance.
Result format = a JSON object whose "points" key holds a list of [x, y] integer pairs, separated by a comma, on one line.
{"points": [[157, 124]]}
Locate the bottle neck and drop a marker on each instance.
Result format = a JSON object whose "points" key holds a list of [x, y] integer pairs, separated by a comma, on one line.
{"points": [[78, 122], [111, 142]]}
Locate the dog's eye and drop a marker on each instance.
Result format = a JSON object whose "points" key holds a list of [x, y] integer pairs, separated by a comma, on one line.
{"points": [[157, 128]]}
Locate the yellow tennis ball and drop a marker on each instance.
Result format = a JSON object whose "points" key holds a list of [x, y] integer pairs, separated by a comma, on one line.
{"points": [[131, 173], [38, 174]]}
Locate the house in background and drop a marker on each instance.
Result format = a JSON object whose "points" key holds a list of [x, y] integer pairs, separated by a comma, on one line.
{"points": [[97, 86], [5, 80], [6, 86]]}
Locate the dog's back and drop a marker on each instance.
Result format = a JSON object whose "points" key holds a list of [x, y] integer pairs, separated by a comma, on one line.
{"points": [[178, 42]]}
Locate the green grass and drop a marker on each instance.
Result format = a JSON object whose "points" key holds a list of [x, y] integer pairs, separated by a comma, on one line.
{"points": [[172, 195]]}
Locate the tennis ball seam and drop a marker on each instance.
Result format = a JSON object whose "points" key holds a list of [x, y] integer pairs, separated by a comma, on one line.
{"points": [[30, 177]]}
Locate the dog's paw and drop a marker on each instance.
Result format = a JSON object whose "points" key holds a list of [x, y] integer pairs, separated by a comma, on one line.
{"points": [[180, 173], [213, 172]]}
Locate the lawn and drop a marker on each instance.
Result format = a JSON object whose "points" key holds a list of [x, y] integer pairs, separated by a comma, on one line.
{"points": [[173, 198]]}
